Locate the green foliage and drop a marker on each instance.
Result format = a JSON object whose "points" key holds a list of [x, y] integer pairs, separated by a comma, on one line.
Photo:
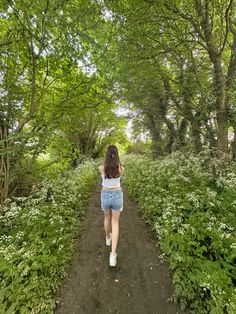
{"points": [[190, 203], [27, 173], [139, 148], [53, 99], [168, 72], [36, 240]]}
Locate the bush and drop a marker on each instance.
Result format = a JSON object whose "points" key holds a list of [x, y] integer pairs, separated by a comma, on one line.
{"points": [[190, 202], [139, 148], [36, 240]]}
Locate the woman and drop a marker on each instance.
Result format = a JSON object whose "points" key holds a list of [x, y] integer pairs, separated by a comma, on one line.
{"points": [[111, 198]]}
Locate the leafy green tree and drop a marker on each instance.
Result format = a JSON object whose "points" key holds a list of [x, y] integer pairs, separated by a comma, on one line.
{"points": [[47, 55], [185, 50]]}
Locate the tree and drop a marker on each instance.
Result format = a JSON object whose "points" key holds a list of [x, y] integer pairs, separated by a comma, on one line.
{"points": [[190, 47], [43, 45]]}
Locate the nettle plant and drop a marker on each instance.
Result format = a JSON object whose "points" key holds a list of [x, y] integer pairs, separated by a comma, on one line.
{"points": [[190, 202], [36, 240]]}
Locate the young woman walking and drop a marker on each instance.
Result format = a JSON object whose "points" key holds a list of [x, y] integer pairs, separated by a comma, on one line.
{"points": [[111, 198]]}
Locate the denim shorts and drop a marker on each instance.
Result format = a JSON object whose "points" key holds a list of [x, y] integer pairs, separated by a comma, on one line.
{"points": [[112, 200]]}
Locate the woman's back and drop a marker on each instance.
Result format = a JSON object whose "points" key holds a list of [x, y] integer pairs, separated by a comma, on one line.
{"points": [[110, 182]]}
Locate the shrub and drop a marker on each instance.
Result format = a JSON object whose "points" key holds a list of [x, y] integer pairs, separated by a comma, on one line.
{"points": [[36, 240], [190, 202]]}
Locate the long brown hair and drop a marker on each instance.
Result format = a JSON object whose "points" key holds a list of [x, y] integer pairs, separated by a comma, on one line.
{"points": [[112, 162]]}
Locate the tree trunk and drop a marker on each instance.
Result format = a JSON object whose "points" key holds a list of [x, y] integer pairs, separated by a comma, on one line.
{"points": [[155, 131], [195, 127], [163, 105], [169, 145], [221, 117], [4, 163], [181, 133], [210, 137], [171, 135], [215, 53], [230, 82], [234, 143]]}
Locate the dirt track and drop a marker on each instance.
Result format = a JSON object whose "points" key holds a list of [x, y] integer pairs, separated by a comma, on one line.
{"points": [[139, 283]]}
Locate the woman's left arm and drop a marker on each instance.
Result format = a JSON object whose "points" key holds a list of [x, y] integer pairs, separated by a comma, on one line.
{"points": [[100, 168]]}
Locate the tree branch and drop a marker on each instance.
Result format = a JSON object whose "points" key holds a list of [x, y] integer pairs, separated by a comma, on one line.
{"points": [[227, 24]]}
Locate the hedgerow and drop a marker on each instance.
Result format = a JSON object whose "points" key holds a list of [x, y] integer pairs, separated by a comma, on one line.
{"points": [[37, 239], [190, 202]]}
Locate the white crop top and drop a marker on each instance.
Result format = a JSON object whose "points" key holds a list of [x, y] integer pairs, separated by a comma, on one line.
{"points": [[110, 182]]}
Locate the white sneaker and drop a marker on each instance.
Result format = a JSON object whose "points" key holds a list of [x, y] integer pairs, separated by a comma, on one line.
{"points": [[108, 241], [113, 260]]}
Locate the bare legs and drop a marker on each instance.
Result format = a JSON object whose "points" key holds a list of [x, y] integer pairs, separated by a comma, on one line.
{"points": [[115, 231], [107, 222], [111, 222]]}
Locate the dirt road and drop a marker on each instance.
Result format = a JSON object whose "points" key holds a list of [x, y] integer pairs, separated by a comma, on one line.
{"points": [[139, 283]]}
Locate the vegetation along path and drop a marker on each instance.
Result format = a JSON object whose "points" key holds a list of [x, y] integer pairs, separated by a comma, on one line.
{"points": [[140, 283]]}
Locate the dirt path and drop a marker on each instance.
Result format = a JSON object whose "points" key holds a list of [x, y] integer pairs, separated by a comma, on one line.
{"points": [[139, 283]]}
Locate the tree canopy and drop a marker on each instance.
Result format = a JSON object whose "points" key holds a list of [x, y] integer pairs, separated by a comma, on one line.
{"points": [[177, 66], [67, 66]]}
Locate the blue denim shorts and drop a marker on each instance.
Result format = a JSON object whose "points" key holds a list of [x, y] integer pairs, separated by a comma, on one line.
{"points": [[112, 200]]}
